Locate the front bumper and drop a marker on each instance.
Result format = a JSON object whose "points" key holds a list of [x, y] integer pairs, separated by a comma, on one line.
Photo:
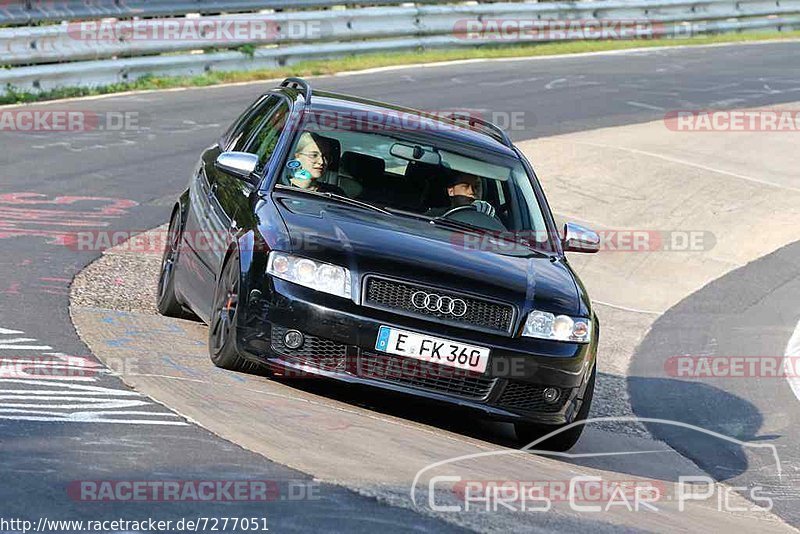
{"points": [[340, 340]]}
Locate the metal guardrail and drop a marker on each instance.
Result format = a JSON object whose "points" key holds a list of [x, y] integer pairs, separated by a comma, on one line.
{"points": [[44, 57], [24, 12], [21, 46]]}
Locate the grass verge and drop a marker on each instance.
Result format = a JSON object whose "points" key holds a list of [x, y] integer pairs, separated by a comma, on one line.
{"points": [[368, 61]]}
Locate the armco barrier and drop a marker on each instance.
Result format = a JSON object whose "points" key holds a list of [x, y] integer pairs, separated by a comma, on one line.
{"points": [[100, 52], [23, 12]]}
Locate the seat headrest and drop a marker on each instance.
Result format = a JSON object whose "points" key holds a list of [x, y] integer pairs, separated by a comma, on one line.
{"points": [[331, 148], [423, 172], [431, 180], [362, 166]]}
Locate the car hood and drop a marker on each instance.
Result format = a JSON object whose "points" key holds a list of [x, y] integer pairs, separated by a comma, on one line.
{"points": [[407, 248]]}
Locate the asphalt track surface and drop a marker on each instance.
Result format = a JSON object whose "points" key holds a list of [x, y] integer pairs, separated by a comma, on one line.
{"points": [[751, 313], [128, 180]]}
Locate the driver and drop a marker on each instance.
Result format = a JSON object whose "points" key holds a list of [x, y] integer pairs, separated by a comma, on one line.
{"points": [[462, 188]]}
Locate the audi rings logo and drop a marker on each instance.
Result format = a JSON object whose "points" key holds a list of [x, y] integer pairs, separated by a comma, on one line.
{"points": [[437, 303]]}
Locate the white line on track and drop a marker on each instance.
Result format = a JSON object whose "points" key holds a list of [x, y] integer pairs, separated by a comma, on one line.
{"points": [[6, 331], [791, 356], [60, 397], [169, 377], [690, 164], [625, 308], [643, 105]]}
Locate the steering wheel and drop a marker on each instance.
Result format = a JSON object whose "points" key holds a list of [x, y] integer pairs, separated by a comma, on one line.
{"points": [[470, 215]]}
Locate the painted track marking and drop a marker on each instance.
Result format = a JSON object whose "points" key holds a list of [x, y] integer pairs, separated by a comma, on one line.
{"points": [[56, 387], [792, 353]]}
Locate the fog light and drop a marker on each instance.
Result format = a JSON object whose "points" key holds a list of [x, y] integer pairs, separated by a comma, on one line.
{"points": [[551, 395], [293, 339]]}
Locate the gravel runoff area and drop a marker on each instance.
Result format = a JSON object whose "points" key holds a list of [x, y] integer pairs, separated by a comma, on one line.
{"points": [[125, 278]]}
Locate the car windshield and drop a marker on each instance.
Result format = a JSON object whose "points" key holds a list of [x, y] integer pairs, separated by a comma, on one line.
{"points": [[409, 173]]}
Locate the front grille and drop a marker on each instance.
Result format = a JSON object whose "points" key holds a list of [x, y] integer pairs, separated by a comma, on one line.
{"points": [[529, 398], [395, 296], [424, 375], [315, 352]]}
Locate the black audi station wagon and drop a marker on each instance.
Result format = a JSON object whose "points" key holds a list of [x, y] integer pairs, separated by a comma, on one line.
{"points": [[335, 236]]}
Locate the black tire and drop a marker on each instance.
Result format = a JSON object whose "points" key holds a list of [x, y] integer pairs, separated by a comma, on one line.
{"points": [[166, 300], [563, 441], [222, 326]]}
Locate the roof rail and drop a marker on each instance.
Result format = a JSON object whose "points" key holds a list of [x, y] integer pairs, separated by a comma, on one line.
{"points": [[299, 83], [481, 125]]}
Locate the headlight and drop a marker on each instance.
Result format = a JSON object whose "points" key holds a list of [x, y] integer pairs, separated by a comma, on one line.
{"points": [[546, 325], [314, 274]]}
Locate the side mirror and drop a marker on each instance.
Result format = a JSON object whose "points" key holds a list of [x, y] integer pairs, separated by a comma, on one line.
{"points": [[580, 239], [239, 164]]}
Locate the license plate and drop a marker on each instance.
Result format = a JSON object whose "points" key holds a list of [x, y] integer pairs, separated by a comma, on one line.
{"points": [[432, 349]]}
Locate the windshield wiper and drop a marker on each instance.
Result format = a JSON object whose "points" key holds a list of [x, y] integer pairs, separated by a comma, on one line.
{"points": [[334, 196], [407, 213], [459, 224]]}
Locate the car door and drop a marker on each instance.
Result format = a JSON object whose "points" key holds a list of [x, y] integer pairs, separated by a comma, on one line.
{"points": [[214, 199]]}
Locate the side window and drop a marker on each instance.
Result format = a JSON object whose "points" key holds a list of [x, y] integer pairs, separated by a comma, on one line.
{"points": [[266, 136], [238, 124], [244, 129]]}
